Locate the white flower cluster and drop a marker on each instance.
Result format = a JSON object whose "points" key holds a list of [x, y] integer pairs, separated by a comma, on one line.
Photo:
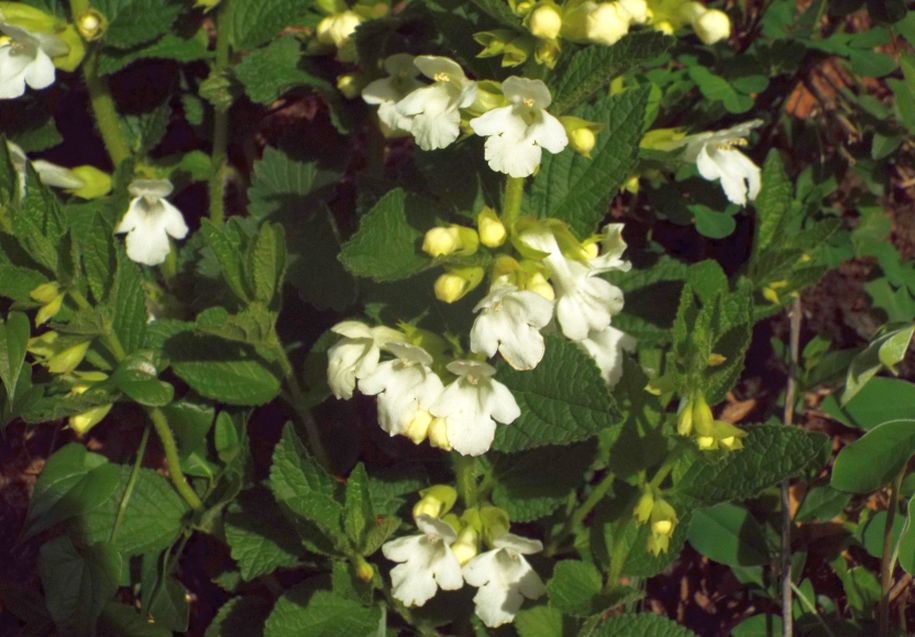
{"points": [[415, 402], [516, 132], [446, 554], [412, 398]]}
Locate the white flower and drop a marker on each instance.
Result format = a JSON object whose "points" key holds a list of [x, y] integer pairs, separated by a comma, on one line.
{"points": [[717, 159], [517, 133], [338, 29], [405, 387], [504, 579], [49, 174], [150, 221], [355, 355], [427, 562], [606, 348], [25, 58], [432, 111], [585, 303], [607, 23], [387, 91], [471, 405], [510, 321]]}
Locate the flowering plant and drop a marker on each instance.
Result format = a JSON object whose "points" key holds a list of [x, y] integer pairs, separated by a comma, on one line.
{"points": [[432, 318]]}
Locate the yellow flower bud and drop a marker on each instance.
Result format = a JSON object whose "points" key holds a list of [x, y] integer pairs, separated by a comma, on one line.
{"points": [[494, 523], [418, 428], [364, 571], [438, 434], [467, 545], [91, 25], [96, 183], [49, 310], [643, 509], [349, 85], [538, 283], [338, 29], [582, 133], [492, 230], [440, 241], [46, 292], [663, 519], [76, 52], [712, 26], [607, 23], [685, 420], [714, 360], [69, 359], [665, 27], [657, 544], [83, 422], [454, 284], [207, 5], [636, 9], [436, 501], [706, 443], [545, 21], [547, 52], [703, 418], [632, 185], [523, 8]]}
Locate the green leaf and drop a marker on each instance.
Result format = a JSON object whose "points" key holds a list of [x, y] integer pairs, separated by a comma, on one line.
{"points": [[226, 243], [14, 337], [299, 483], [133, 22], [577, 189], [592, 68], [770, 454], [821, 503], [880, 400], [874, 459], [712, 223], [121, 620], [266, 262], [314, 270], [151, 520], [253, 22], [543, 621], [772, 203], [78, 583], [907, 540], [717, 89], [563, 400], [254, 325], [136, 377], [38, 222], [73, 482], [358, 515], [260, 538], [535, 484], [283, 184], [652, 296], [643, 625], [99, 255], [385, 248], [222, 370], [305, 611], [575, 588], [164, 598], [887, 350], [17, 283], [763, 625], [728, 533], [128, 305], [168, 47], [240, 617], [269, 72]]}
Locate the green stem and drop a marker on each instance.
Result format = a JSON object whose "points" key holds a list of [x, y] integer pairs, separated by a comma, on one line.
{"points": [[219, 156], [296, 399], [465, 468], [887, 563], [511, 200], [664, 470], [113, 343], [106, 115], [597, 494], [173, 460], [131, 482]]}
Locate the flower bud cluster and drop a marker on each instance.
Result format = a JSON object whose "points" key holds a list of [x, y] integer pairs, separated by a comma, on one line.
{"points": [[447, 554], [695, 419], [661, 518]]}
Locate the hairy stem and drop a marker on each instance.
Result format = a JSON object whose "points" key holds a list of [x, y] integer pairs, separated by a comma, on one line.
{"points": [[173, 460], [131, 482], [103, 109], [113, 343], [220, 122], [295, 398], [790, 397], [511, 200], [888, 561], [597, 494], [465, 468]]}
